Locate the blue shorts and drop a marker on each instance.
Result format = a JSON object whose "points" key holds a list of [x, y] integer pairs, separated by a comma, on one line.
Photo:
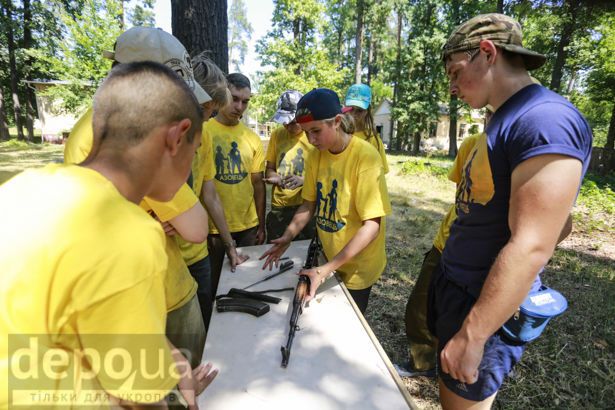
{"points": [[448, 306]]}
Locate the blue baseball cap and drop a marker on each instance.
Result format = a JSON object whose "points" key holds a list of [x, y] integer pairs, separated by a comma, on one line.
{"points": [[359, 95], [318, 104]]}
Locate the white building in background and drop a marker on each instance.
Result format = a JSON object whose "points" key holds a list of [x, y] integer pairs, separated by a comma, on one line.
{"points": [[438, 139], [382, 121], [53, 120]]}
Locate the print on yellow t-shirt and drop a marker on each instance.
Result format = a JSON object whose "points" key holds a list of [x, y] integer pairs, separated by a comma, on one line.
{"points": [[454, 175], [476, 184], [237, 152], [290, 155], [349, 188]]}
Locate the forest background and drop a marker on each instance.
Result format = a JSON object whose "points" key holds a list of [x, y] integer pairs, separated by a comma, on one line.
{"points": [[392, 45]]}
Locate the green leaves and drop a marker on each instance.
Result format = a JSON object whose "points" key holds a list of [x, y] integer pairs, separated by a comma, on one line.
{"points": [[294, 55]]}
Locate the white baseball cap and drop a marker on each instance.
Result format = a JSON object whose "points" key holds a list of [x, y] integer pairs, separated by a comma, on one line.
{"points": [[154, 44]]}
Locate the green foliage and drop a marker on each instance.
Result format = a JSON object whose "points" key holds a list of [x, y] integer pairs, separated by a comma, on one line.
{"points": [[239, 33], [597, 194], [143, 14], [437, 167], [597, 97], [78, 59], [297, 57]]}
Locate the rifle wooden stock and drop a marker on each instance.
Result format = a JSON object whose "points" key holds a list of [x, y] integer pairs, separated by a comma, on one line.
{"points": [[301, 292]]}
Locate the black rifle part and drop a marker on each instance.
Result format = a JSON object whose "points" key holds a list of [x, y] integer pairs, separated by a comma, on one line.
{"points": [[286, 266], [240, 293], [301, 292], [251, 306]]}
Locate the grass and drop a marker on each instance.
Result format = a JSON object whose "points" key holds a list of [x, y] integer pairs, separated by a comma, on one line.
{"points": [[15, 156], [572, 365]]}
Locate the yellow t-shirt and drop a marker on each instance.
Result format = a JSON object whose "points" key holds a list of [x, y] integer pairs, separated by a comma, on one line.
{"points": [[376, 142], [238, 152], [349, 188], [79, 143], [288, 154], [202, 170], [179, 283], [454, 174], [82, 278]]}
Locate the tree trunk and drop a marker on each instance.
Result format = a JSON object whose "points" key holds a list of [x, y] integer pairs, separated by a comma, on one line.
{"points": [[202, 25], [120, 17], [500, 7], [358, 64], [608, 161], [370, 59], [571, 82], [340, 44], [27, 43], [452, 129], [4, 127], [452, 105], [416, 144], [8, 13], [396, 87], [297, 39], [564, 41]]}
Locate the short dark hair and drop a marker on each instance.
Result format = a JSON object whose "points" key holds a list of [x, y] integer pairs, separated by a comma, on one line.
{"points": [[238, 80], [137, 97]]}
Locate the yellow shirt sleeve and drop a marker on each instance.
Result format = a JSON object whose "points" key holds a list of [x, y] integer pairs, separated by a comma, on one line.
{"points": [[271, 148], [80, 140], [179, 285], [258, 163], [183, 200]]}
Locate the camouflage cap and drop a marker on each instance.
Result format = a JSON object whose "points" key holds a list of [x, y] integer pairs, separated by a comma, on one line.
{"points": [[504, 31]]}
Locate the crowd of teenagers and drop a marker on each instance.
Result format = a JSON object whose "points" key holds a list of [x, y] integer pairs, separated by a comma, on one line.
{"points": [[122, 246]]}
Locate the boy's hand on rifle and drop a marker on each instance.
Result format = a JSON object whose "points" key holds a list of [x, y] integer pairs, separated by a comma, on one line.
{"points": [[318, 276], [276, 251]]}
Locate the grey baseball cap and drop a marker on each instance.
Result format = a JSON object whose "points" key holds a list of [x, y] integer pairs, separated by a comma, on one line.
{"points": [[154, 44], [287, 107]]}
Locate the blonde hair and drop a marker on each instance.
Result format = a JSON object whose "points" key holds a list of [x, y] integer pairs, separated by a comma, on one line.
{"points": [[347, 123], [212, 79]]}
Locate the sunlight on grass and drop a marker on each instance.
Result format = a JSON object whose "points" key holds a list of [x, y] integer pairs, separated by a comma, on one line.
{"points": [[15, 156]]}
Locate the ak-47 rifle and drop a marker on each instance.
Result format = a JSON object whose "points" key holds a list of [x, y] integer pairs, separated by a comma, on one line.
{"points": [[301, 292]]}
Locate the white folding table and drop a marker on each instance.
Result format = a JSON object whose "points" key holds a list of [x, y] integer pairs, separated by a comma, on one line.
{"points": [[335, 363]]}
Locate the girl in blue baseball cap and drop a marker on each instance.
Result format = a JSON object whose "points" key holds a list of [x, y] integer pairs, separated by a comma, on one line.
{"points": [[358, 104], [345, 190]]}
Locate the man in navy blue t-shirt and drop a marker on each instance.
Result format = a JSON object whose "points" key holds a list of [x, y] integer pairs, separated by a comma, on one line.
{"points": [[517, 190]]}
